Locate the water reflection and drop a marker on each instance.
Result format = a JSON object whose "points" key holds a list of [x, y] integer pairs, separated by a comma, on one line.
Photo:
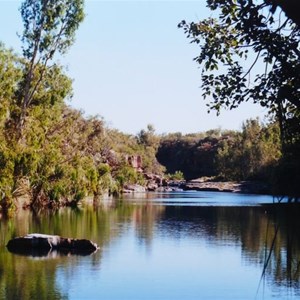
{"points": [[43, 253], [267, 233], [265, 237]]}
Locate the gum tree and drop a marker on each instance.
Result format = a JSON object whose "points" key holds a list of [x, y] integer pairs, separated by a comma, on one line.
{"points": [[49, 29]]}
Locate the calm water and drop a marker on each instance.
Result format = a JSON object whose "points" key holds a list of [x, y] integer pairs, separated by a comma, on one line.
{"points": [[189, 245]]}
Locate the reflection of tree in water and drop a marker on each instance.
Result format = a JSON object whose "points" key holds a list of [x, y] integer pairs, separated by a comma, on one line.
{"points": [[254, 228], [24, 277], [282, 246], [145, 218], [270, 237], [145, 215]]}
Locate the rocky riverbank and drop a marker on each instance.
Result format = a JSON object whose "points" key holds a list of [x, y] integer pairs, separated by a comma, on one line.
{"points": [[158, 184], [247, 187]]}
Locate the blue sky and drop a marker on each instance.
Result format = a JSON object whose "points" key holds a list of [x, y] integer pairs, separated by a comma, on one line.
{"points": [[133, 66]]}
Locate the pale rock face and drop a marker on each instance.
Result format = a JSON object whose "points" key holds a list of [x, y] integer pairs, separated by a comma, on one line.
{"points": [[135, 161], [134, 188], [53, 240]]}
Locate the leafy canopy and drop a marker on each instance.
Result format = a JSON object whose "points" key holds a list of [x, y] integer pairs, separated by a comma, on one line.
{"points": [[250, 52], [49, 28]]}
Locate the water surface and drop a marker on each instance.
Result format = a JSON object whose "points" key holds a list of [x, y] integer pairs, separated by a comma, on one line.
{"points": [[185, 245]]}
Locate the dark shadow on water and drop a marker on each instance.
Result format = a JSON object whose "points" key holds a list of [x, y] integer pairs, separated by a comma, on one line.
{"points": [[46, 253]]}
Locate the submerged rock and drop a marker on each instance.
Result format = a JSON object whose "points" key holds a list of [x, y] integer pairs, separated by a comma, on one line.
{"points": [[41, 244]]}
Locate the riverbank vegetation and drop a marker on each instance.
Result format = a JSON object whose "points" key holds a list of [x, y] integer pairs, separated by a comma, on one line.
{"points": [[251, 52], [52, 155], [250, 154]]}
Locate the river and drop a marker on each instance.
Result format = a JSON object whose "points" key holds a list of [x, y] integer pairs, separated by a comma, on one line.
{"points": [[180, 245]]}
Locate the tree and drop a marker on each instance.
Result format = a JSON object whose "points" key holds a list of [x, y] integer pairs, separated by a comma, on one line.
{"points": [[250, 154], [148, 138], [148, 142], [245, 32], [290, 7], [49, 28], [21, 164], [251, 52]]}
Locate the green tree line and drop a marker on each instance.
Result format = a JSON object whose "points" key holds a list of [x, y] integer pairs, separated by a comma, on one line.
{"points": [[50, 154], [253, 153], [60, 156]]}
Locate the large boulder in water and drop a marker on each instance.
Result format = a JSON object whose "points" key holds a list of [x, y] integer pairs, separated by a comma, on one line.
{"points": [[41, 244]]}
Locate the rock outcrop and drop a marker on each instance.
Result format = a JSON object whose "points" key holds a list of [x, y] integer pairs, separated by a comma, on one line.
{"points": [[133, 188], [154, 181], [135, 161], [41, 244], [247, 187]]}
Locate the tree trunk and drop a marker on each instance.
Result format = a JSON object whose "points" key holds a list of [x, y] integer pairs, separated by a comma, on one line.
{"points": [[290, 7]]}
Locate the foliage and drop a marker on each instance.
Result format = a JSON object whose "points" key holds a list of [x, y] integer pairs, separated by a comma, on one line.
{"points": [[192, 154], [50, 154], [56, 156], [250, 154], [63, 156], [233, 48], [178, 175], [242, 30], [128, 175], [148, 142], [148, 137], [49, 28]]}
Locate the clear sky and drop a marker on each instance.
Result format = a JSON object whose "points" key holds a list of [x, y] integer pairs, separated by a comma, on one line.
{"points": [[133, 66]]}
